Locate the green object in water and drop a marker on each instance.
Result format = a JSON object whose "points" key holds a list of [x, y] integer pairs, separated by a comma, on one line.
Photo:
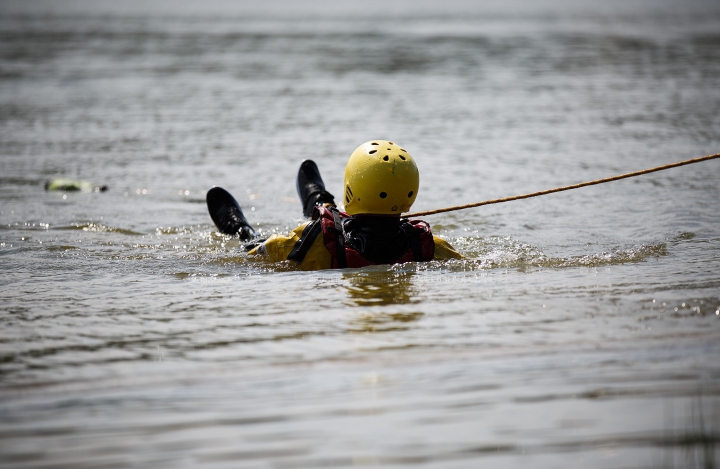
{"points": [[70, 185]]}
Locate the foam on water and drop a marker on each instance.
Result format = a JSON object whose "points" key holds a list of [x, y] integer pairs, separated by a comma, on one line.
{"points": [[580, 330]]}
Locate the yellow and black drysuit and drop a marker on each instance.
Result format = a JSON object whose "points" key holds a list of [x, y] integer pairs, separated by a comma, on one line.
{"points": [[333, 239]]}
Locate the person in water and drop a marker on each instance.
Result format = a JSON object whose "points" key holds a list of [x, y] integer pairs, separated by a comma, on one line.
{"points": [[381, 182]]}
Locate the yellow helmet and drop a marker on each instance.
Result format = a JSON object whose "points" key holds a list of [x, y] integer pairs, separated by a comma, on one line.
{"points": [[380, 179]]}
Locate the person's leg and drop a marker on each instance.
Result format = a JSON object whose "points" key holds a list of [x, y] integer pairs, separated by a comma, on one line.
{"points": [[311, 189], [227, 214]]}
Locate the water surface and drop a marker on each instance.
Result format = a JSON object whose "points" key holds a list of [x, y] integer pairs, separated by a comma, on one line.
{"points": [[581, 329]]}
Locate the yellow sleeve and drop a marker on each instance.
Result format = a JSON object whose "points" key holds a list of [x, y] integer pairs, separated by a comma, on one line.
{"points": [[444, 251], [278, 247]]}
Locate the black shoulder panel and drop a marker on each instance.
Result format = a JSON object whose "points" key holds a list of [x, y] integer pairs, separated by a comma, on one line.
{"points": [[311, 231]]}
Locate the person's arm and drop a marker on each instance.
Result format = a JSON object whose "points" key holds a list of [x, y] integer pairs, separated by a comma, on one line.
{"points": [[277, 248], [444, 251]]}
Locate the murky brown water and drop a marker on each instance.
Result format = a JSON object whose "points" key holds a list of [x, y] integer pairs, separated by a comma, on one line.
{"points": [[582, 330]]}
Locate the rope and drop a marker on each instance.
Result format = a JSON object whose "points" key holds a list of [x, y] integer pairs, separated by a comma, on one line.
{"points": [[564, 188]]}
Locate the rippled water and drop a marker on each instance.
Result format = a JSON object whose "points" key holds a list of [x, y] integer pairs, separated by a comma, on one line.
{"points": [[581, 330]]}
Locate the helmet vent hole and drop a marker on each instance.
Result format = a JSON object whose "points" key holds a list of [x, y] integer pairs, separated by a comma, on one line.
{"points": [[373, 151], [391, 143], [374, 143], [402, 157], [386, 158], [410, 194], [402, 149], [348, 194], [383, 195]]}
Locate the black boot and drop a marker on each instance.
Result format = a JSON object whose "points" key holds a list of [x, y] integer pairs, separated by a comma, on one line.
{"points": [[227, 214], [310, 188]]}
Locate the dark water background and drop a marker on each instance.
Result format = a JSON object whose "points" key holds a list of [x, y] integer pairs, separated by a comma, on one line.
{"points": [[582, 330]]}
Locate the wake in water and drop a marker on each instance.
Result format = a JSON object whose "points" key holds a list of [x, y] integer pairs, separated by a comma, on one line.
{"points": [[200, 243], [210, 247], [506, 252]]}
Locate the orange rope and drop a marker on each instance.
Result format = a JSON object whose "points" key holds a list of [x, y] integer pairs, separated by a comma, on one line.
{"points": [[564, 188]]}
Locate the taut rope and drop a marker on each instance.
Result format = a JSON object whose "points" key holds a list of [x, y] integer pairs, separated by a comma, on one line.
{"points": [[564, 188]]}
